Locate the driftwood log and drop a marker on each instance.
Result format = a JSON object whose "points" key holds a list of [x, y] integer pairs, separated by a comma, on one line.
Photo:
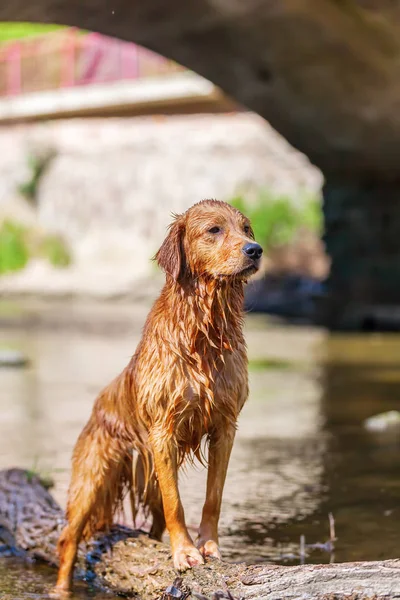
{"points": [[131, 564]]}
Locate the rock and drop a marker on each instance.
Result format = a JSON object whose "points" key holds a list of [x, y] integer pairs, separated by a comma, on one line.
{"points": [[112, 184], [129, 564], [383, 421], [290, 296], [12, 358]]}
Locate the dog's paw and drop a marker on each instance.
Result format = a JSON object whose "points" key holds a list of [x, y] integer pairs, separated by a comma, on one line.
{"points": [[186, 557], [209, 548], [59, 593]]}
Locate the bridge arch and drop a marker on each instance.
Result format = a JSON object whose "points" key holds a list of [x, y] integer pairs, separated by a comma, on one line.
{"points": [[324, 73]]}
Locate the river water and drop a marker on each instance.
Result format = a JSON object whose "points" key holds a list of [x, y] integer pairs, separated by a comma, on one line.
{"points": [[301, 451]]}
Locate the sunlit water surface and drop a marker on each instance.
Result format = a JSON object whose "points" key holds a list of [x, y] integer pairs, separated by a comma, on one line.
{"points": [[301, 451]]}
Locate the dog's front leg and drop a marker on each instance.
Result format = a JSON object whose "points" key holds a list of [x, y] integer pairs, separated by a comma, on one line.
{"points": [[220, 448], [185, 554]]}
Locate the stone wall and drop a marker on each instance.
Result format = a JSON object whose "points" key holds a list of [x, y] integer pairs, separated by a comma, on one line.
{"points": [[112, 184]]}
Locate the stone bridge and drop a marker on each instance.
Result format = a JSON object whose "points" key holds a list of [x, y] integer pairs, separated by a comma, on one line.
{"points": [[326, 75]]}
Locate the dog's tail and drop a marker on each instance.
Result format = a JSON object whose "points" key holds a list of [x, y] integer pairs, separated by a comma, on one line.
{"points": [[146, 500], [104, 462], [110, 501], [128, 475]]}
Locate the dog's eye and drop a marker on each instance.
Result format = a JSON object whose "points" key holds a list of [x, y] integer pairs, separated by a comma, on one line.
{"points": [[215, 230], [247, 229]]}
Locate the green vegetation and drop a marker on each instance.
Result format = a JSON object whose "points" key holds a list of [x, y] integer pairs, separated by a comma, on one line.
{"points": [[14, 252], [276, 220], [261, 364], [55, 250], [44, 477], [37, 166], [15, 31], [18, 244], [46, 480]]}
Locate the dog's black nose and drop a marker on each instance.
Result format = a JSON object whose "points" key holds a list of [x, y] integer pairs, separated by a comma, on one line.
{"points": [[252, 250]]}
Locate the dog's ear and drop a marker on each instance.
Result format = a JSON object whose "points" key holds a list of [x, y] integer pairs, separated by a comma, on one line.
{"points": [[170, 256]]}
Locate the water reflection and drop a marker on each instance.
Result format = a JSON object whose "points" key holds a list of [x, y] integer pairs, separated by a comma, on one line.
{"points": [[301, 449], [362, 468]]}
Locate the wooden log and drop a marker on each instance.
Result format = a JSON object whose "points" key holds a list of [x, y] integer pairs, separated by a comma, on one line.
{"points": [[130, 563]]}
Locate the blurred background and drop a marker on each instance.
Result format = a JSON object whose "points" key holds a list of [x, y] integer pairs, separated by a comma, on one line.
{"points": [[100, 141], [104, 139]]}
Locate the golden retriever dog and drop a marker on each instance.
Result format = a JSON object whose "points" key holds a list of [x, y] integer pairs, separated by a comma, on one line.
{"points": [[186, 382]]}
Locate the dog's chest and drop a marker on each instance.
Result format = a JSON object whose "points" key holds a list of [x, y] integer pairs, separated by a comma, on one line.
{"points": [[213, 401], [213, 388]]}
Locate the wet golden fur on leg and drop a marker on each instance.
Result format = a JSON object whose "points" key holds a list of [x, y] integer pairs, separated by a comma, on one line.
{"points": [[186, 382]]}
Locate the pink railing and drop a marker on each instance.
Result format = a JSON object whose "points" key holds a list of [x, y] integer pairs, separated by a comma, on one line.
{"points": [[70, 58]]}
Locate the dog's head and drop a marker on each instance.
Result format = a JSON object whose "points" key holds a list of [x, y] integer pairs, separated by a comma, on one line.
{"points": [[210, 239]]}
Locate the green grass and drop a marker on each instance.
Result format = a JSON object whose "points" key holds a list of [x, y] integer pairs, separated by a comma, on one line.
{"points": [[276, 219], [44, 477], [19, 243], [16, 31]]}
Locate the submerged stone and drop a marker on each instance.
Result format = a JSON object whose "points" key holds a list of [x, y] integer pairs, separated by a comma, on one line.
{"points": [[12, 358], [383, 421]]}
